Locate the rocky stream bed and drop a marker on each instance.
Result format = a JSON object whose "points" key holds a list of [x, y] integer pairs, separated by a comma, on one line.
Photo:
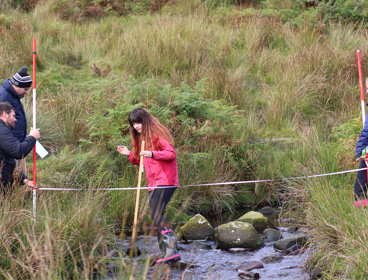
{"points": [[265, 253]]}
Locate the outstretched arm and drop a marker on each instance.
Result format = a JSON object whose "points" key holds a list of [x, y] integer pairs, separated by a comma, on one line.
{"points": [[125, 151]]}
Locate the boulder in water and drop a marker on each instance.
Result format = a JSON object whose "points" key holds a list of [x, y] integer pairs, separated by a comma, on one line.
{"points": [[292, 229], [267, 211], [272, 234], [237, 235], [256, 219], [197, 228], [291, 240]]}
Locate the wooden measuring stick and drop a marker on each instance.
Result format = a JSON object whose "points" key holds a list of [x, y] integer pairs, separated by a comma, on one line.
{"points": [[137, 198]]}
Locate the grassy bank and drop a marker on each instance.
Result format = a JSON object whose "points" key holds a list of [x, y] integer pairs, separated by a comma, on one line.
{"points": [[228, 81]]}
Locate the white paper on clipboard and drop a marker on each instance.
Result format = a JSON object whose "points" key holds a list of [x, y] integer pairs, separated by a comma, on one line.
{"points": [[40, 150]]}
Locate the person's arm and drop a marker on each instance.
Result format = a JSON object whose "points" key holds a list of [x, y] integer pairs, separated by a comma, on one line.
{"points": [[166, 153], [15, 149], [125, 151]]}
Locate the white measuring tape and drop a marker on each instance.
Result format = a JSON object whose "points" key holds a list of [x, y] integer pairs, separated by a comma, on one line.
{"points": [[208, 184]]}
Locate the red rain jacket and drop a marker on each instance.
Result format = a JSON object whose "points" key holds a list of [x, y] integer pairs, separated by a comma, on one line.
{"points": [[162, 169]]}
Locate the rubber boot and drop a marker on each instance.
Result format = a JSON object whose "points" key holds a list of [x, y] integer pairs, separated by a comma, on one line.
{"points": [[362, 202], [168, 246]]}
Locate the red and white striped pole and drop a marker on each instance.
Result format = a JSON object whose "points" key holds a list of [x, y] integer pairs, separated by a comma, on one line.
{"points": [[361, 86], [34, 126]]}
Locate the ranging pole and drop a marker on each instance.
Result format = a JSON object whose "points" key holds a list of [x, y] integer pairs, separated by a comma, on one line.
{"points": [[34, 126], [361, 86]]}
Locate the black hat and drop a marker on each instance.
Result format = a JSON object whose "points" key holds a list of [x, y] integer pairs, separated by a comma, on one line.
{"points": [[22, 79]]}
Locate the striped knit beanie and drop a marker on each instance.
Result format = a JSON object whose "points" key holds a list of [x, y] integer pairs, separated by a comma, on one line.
{"points": [[22, 79]]}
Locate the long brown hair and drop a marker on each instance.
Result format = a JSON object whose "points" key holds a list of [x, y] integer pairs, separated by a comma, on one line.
{"points": [[152, 129]]}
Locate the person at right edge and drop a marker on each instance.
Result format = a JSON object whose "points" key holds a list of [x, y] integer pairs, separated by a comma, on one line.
{"points": [[360, 187], [159, 160]]}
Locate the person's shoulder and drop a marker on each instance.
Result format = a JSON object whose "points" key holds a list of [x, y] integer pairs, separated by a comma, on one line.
{"points": [[4, 90], [3, 125], [163, 142], [3, 129]]}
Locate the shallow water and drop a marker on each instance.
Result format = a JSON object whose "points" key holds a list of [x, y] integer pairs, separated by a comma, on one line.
{"points": [[214, 264]]}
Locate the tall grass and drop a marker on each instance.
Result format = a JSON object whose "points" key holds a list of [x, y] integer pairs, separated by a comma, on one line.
{"points": [[339, 229], [68, 238]]}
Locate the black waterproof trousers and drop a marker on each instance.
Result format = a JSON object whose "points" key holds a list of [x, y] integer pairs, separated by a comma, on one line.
{"points": [[158, 199], [360, 187]]}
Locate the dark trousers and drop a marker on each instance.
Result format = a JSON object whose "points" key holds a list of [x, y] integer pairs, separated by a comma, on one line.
{"points": [[360, 187], [6, 177], [158, 199]]}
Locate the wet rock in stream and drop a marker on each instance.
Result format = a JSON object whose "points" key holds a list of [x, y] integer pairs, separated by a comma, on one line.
{"points": [[256, 219], [248, 275], [272, 234], [237, 235], [249, 266], [292, 229], [272, 259], [294, 250], [287, 242], [197, 228], [267, 211]]}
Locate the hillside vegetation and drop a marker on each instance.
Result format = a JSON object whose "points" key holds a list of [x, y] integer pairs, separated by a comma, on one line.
{"points": [[249, 89]]}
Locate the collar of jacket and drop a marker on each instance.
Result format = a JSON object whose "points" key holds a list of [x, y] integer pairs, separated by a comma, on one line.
{"points": [[3, 123]]}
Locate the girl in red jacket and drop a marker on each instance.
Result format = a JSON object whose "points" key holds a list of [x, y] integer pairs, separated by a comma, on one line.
{"points": [[159, 161]]}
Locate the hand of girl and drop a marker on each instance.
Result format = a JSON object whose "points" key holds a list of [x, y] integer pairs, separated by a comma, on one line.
{"points": [[123, 150], [146, 154]]}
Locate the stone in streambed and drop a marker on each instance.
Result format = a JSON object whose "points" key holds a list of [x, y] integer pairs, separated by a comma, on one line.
{"points": [[272, 234], [199, 244], [197, 228], [248, 266], [267, 211], [292, 229], [294, 250], [291, 240], [248, 275], [256, 219], [237, 235], [272, 259]]}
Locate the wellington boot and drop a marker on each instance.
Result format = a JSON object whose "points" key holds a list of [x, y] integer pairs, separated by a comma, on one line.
{"points": [[362, 202], [168, 246]]}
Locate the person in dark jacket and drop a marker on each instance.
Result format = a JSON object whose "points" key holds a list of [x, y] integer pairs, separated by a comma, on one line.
{"points": [[159, 160], [12, 91], [360, 187], [11, 148]]}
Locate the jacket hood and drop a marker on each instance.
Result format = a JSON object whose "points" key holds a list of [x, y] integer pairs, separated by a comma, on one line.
{"points": [[9, 87]]}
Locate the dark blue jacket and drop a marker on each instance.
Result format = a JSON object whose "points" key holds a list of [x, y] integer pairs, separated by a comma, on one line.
{"points": [[11, 149], [363, 139], [7, 93]]}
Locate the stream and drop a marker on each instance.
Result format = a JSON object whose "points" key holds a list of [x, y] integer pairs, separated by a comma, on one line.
{"points": [[201, 260]]}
